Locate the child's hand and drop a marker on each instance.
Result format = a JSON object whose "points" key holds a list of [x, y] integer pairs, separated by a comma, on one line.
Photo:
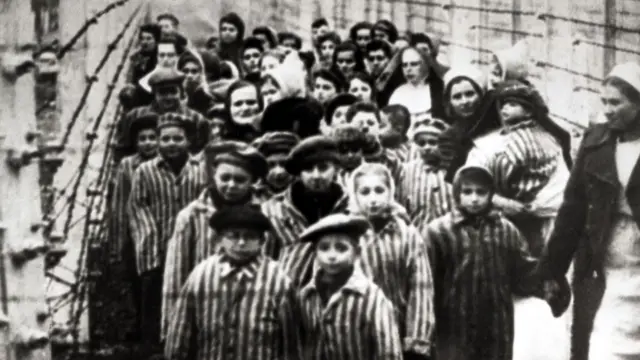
{"points": [[557, 293]]}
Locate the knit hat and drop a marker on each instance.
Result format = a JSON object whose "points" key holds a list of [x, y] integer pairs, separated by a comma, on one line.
{"points": [[240, 216], [279, 142], [165, 77], [354, 226], [629, 72], [335, 77], [311, 150], [475, 173], [252, 43], [300, 116], [464, 71], [338, 101], [431, 127], [521, 93], [178, 120]]}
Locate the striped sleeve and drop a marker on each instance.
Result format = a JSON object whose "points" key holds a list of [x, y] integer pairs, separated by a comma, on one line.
{"points": [[420, 316], [179, 264], [141, 220], [182, 333], [119, 232], [388, 345], [290, 315]]}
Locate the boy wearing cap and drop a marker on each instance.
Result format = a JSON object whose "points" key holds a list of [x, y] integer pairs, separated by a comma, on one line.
{"points": [[232, 169], [314, 195], [275, 146], [480, 261], [168, 91], [161, 187], [422, 188], [345, 315], [238, 304]]}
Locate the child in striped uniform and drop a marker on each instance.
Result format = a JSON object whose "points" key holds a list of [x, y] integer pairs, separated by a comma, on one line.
{"points": [[422, 188], [393, 255], [396, 121], [275, 146], [313, 196], [161, 187], [345, 316], [236, 305], [234, 168], [479, 262], [354, 146]]}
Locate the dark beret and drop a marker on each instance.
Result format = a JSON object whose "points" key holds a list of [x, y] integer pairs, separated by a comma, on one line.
{"points": [[340, 100], [187, 57], [310, 150], [252, 42], [301, 116], [239, 154], [240, 216], [276, 143], [165, 77], [352, 225]]}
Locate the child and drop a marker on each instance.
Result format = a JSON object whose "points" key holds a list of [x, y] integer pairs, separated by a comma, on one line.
{"points": [[335, 113], [396, 120], [161, 187], [479, 261], [393, 255], [355, 147], [275, 146], [364, 116], [423, 190], [232, 169], [345, 315], [236, 304]]}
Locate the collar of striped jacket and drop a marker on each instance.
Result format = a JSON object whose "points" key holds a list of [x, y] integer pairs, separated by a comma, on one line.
{"points": [[520, 125], [204, 203], [248, 270], [460, 218], [357, 283], [161, 162]]}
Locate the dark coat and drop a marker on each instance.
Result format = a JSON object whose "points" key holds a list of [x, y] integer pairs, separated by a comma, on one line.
{"points": [[583, 226]]}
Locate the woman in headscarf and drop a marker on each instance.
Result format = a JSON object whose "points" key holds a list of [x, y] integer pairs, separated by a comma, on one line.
{"points": [[195, 82], [231, 38], [244, 106]]}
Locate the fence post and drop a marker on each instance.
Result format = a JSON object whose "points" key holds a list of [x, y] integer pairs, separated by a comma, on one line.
{"points": [[609, 52]]}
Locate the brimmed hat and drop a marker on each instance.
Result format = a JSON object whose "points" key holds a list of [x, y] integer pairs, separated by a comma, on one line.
{"points": [[239, 154], [165, 77], [314, 149], [355, 226], [240, 216], [279, 142], [177, 120]]}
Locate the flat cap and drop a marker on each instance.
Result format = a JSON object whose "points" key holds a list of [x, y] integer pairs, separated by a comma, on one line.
{"points": [[311, 150], [301, 116], [277, 142], [164, 77], [240, 216], [178, 120], [352, 225], [239, 154]]}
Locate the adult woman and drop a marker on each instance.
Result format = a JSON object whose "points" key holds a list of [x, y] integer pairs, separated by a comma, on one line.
{"points": [[231, 34], [244, 106], [598, 224], [327, 44], [348, 59], [363, 87]]}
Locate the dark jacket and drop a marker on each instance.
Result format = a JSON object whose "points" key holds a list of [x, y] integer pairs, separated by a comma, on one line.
{"points": [[583, 226]]}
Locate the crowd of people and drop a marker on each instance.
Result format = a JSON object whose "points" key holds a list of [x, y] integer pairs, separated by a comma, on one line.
{"points": [[361, 200]]}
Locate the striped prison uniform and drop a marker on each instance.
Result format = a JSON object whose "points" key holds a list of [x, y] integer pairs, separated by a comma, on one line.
{"points": [[529, 157], [395, 259], [288, 222], [423, 191], [226, 312], [193, 241], [357, 323], [125, 145], [157, 196], [400, 153], [119, 230], [478, 265]]}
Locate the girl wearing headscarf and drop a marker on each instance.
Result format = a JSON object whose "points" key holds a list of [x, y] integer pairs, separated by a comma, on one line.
{"points": [[232, 30], [393, 254]]}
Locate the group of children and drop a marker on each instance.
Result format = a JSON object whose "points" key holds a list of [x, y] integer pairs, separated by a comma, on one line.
{"points": [[328, 231]]}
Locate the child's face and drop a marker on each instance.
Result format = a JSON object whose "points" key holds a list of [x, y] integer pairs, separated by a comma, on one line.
{"points": [[464, 98], [360, 89], [278, 178], [241, 244], [346, 62], [351, 155], [474, 198], [372, 194], [268, 63], [339, 116], [270, 93], [319, 176], [511, 112], [335, 253], [147, 142], [173, 142], [428, 145], [367, 122], [323, 90], [232, 182], [251, 60]]}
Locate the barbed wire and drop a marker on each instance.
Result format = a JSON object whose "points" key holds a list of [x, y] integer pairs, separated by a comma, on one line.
{"points": [[64, 49]]}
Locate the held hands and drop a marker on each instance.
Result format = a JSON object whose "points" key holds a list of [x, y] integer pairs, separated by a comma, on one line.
{"points": [[557, 293]]}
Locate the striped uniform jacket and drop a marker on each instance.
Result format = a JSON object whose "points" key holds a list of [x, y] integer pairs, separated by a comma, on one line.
{"points": [[119, 231], [478, 265], [193, 241], [424, 192], [396, 259], [400, 153], [526, 163], [288, 222], [357, 323], [230, 313], [125, 145], [157, 196]]}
